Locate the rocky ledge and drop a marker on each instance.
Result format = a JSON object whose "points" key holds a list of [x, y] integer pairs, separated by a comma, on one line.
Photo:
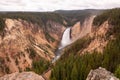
{"points": [[22, 76], [101, 74]]}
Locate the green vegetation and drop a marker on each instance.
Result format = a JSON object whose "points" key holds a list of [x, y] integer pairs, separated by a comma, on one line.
{"points": [[32, 53], [20, 69], [113, 17], [2, 24], [16, 61], [76, 46], [49, 37], [73, 16], [101, 18], [40, 66], [117, 72], [7, 70], [77, 67], [72, 66], [35, 17]]}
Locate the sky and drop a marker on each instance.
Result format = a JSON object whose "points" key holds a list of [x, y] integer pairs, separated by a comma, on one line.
{"points": [[51, 5]]}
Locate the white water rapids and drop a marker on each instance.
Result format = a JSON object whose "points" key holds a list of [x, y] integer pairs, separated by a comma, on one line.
{"points": [[64, 42]]}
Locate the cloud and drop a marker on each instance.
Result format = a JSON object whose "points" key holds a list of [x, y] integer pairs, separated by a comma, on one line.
{"points": [[51, 5]]}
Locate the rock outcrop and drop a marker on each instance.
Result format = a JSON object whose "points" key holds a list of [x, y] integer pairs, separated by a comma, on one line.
{"points": [[22, 76], [101, 74]]}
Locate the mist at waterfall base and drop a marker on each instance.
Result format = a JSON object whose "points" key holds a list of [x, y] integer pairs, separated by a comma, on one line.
{"points": [[64, 42]]}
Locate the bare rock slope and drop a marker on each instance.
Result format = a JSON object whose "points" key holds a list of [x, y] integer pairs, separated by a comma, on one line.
{"points": [[99, 38], [23, 42], [75, 30]]}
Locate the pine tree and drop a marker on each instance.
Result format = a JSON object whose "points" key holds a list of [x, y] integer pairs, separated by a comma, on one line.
{"points": [[117, 72], [74, 73]]}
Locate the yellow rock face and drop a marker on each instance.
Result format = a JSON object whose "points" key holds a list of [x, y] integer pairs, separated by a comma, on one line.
{"points": [[99, 41], [75, 30]]}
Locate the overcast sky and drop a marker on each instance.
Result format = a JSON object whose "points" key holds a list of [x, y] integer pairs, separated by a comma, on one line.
{"points": [[51, 5]]}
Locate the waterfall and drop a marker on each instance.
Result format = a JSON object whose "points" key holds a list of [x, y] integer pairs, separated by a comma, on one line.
{"points": [[65, 38], [64, 42]]}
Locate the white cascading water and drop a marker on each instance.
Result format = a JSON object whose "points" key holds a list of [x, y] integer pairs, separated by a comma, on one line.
{"points": [[65, 38], [64, 42]]}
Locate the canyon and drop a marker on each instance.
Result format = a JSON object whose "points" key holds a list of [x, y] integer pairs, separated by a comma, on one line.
{"points": [[23, 43], [26, 46]]}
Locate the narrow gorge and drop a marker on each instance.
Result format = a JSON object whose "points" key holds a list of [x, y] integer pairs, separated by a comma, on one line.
{"points": [[71, 34]]}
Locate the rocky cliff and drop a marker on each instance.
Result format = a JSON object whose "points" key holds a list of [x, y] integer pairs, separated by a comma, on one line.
{"points": [[80, 30], [99, 38], [75, 30], [97, 34], [23, 43], [101, 74], [22, 76]]}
